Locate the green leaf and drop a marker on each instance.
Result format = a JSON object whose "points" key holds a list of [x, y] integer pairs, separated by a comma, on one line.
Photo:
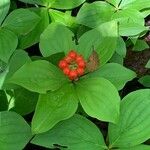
{"points": [[38, 2], [14, 131], [3, 73], [56, 38], [4, 8], [33, 37], [86, 48], [18, 59], [24, 101], [136, 4], [115, 73], [95, 99], [54, 107], [140, 45], [3, 101], [138, 147], [8, 44], [133, 126], [131, 22], [131, 29], [63, 17], [116, 58], [75, 133], [148, 64], [94, 14], [145, 80], [38, 76], [21, 21], [121, 47], [114, 2], [65, 4]]}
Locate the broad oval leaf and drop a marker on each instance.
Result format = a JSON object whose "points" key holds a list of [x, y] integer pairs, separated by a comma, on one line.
{"points": [[21, 21], [4, 8], [94, 14], [38, 76], [115, 73], [8, 44], [102, 39], [56, 38], [133, 126], [65, 4], [33, 37], [96, 101], [24, 101], [15, 133], [54, 107], [136, 4], [75, 133]]}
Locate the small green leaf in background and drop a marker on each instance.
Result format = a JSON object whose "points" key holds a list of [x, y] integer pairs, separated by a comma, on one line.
{"points": [[94, 14], [8, 44], [96, 101], [121, 47], [145, 80], [140, 45], [76, 133], [15, 133], [21, 21], [24, 101], [148, 64], [4, 8], [56, 38], [65, 4], [115, 73], [33, 37], [54, 107], [38, 76], [3, 101], [133, 126]]}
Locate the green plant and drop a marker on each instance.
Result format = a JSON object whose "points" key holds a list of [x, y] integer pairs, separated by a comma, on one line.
{"points": [[52, 92]]}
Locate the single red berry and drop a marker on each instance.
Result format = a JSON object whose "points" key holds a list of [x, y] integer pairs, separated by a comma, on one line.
{"points": [[66, 71], [63, 64], [80, 71], [68, 59], [73, 74], [81, 64], [79, 58], [72, 54]]}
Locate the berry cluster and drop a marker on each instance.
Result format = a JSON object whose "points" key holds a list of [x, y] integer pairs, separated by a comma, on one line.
{"points": [[73, 65]]}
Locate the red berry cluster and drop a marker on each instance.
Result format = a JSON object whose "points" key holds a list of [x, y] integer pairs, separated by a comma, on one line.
{"points": [[73, 65]]}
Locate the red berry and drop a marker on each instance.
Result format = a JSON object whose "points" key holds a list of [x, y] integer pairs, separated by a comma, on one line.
{"points": [[80, 71], [81, 64], [63, 64], [72, 54], [66, 71], [73, 74], [68, 59], [79, 58]]}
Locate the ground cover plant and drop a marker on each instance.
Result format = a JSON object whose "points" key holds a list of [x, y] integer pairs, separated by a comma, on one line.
{"points": [[74, 74]]}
